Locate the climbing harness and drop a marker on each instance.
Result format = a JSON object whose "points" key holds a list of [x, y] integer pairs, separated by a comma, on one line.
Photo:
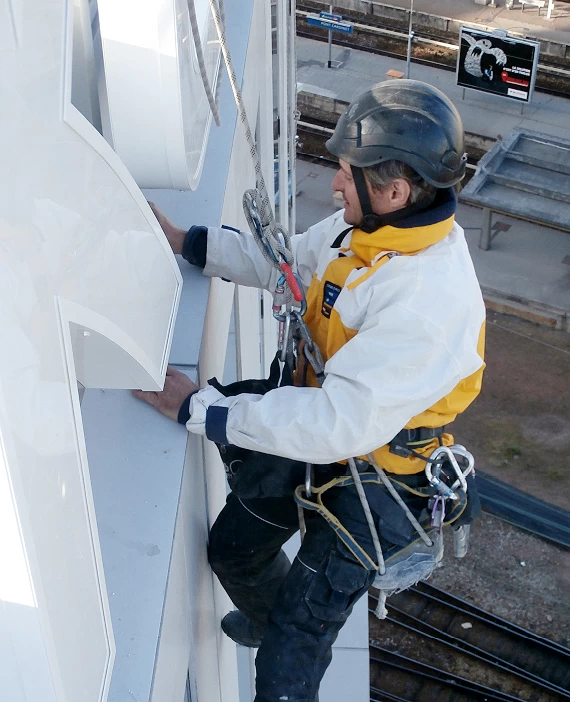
{"points": [[400, 567]]}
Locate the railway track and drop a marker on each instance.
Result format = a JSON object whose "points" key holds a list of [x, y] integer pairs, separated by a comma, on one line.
{"points": [[367, 35], [522, 665]]}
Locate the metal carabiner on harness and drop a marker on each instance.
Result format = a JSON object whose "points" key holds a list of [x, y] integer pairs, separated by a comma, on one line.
{"points": [[461, 451], [284, 334], [308, 480], [275, 244], [311, 350], [433, 473]]}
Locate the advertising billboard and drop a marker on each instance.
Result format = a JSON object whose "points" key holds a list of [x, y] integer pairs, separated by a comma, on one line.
{"points": [[497, 63]]}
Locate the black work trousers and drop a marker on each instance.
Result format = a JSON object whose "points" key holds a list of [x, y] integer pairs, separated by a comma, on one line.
{"points": [[302, 606]]}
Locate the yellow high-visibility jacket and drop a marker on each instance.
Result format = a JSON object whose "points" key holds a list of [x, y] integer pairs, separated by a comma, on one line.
{"points": [[399, 318]]}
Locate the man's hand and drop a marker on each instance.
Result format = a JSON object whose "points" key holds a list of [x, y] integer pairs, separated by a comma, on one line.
{"points": [[177, 387], [175, 235]]}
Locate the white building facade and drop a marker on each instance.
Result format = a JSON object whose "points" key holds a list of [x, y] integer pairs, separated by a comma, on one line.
{"points": [[105, 590]]}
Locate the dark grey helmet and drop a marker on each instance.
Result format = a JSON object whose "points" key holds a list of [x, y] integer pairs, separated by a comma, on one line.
{"points": [[403, 120]]}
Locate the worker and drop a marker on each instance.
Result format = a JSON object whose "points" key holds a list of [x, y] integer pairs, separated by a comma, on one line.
{"points": [[394, 305]]}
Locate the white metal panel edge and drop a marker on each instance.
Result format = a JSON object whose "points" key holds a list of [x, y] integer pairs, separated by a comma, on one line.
{"points": [[256, 87], [159, 115], [86, 279], [174, 654], [256, 338]]}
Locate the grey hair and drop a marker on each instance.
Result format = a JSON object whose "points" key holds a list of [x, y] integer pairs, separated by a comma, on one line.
{"points": [[382, 174]]}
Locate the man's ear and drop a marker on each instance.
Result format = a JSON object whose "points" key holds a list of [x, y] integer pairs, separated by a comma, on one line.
{"points": [[399, 194]]}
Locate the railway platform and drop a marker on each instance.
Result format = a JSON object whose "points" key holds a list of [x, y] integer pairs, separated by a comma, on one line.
{"points": [[521, 18], [490, 116]]}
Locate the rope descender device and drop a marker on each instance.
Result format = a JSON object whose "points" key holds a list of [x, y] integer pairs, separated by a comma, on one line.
{"points": [[289, 302], [272, 239]]}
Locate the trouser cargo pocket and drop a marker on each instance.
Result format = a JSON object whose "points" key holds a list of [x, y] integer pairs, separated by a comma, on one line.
{"points": [[336, 587]]}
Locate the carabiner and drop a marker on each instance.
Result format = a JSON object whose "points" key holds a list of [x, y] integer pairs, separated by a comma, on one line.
{"points": [[449, 452], [432, 474], [308, 479], [284, 333], [460, 450]]}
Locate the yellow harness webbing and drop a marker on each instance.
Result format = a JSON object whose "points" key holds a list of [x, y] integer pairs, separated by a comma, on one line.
{"points": [[346, 537]]}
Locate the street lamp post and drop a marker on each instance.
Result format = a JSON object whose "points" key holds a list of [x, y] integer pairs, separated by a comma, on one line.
{"points": [[410, 37], [330, 41]]}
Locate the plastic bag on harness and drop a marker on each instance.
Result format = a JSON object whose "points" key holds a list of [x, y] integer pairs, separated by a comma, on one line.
{"points": [[254, 474], [410, 565], [406, 568]]}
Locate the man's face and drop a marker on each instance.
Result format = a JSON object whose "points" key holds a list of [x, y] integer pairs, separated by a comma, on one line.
{"points": [[382, 201], [344, 183]]}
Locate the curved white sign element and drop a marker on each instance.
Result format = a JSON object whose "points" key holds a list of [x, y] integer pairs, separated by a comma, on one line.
{"points": [[158, 112], [88, 292]]}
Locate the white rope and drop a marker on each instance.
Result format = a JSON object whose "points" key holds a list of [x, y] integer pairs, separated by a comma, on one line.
{"points": [[266, 209], [392, 490], [213, 101], [368, 514], [222, 12], [271, 238]]}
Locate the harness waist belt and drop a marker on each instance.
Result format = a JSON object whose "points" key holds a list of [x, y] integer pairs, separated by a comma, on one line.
{"points": [[405, 441]]}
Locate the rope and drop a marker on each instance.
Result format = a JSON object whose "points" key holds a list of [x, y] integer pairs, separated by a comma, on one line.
{"points": [[368, 514], [266, 209], [384, 478], [319, 373], [213, 101], [222, 11], [272, 239]]}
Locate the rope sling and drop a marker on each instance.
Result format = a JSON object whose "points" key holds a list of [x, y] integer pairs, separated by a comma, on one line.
{"points": [[407, 565]]}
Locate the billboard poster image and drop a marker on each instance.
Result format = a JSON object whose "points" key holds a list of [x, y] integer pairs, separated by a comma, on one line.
{"points": [[497, 63]]}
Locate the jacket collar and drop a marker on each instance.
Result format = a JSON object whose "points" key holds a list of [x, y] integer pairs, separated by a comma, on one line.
{"points": [[410, 235]]}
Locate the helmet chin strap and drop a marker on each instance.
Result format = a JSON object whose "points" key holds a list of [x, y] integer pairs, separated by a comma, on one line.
{"points": [[372, 221]]}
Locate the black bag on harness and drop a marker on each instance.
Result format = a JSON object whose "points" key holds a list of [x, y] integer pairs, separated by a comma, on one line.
{"points": [[254, 474]]}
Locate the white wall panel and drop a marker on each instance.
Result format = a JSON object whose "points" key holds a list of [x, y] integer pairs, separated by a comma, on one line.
{"points": [[159, 116], [257, 96], [136, 458], [173, 658], [88, 291]]}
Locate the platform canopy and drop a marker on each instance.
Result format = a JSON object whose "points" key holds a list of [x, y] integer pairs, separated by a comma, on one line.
{"points": [[526, 175]]}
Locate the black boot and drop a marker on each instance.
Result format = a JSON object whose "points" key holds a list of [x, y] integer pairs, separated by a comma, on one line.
{"points": [[242, 630]]}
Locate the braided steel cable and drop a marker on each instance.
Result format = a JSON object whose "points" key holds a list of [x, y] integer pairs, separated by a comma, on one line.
{"points": [[266, 211], [213, 101], [222, 12]]}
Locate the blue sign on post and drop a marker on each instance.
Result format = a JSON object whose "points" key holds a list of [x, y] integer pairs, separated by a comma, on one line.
{"points": [[330, 16], [335, 25]]}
